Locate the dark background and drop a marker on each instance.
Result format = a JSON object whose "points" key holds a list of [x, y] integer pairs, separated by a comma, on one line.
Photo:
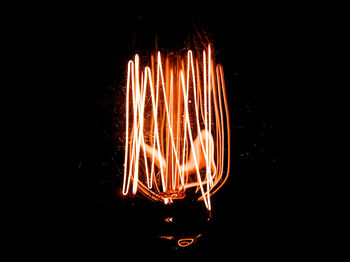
{"points": [[251, 213]]}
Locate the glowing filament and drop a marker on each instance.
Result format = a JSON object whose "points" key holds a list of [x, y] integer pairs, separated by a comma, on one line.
{"points": [[176, 113]]}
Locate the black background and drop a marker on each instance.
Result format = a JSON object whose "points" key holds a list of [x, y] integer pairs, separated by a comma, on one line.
{"points": [[252, 212]]}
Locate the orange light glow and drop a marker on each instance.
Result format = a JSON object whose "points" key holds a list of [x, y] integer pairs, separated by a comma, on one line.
{"points": [[176, 115], [184, 242]]}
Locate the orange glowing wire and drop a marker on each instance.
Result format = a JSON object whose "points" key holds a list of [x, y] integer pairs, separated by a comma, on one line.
{"points": [[184, 242], [175, 119]]}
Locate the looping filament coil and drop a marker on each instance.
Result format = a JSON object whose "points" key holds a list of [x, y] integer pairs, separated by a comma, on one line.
{"points": [[177, 127]]}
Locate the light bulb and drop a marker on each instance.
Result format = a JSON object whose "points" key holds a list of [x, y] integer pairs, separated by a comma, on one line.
{"points": [[177, 128]]}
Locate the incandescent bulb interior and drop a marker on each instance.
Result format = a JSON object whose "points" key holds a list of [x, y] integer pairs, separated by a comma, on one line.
{"points": [[177, 126]]}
